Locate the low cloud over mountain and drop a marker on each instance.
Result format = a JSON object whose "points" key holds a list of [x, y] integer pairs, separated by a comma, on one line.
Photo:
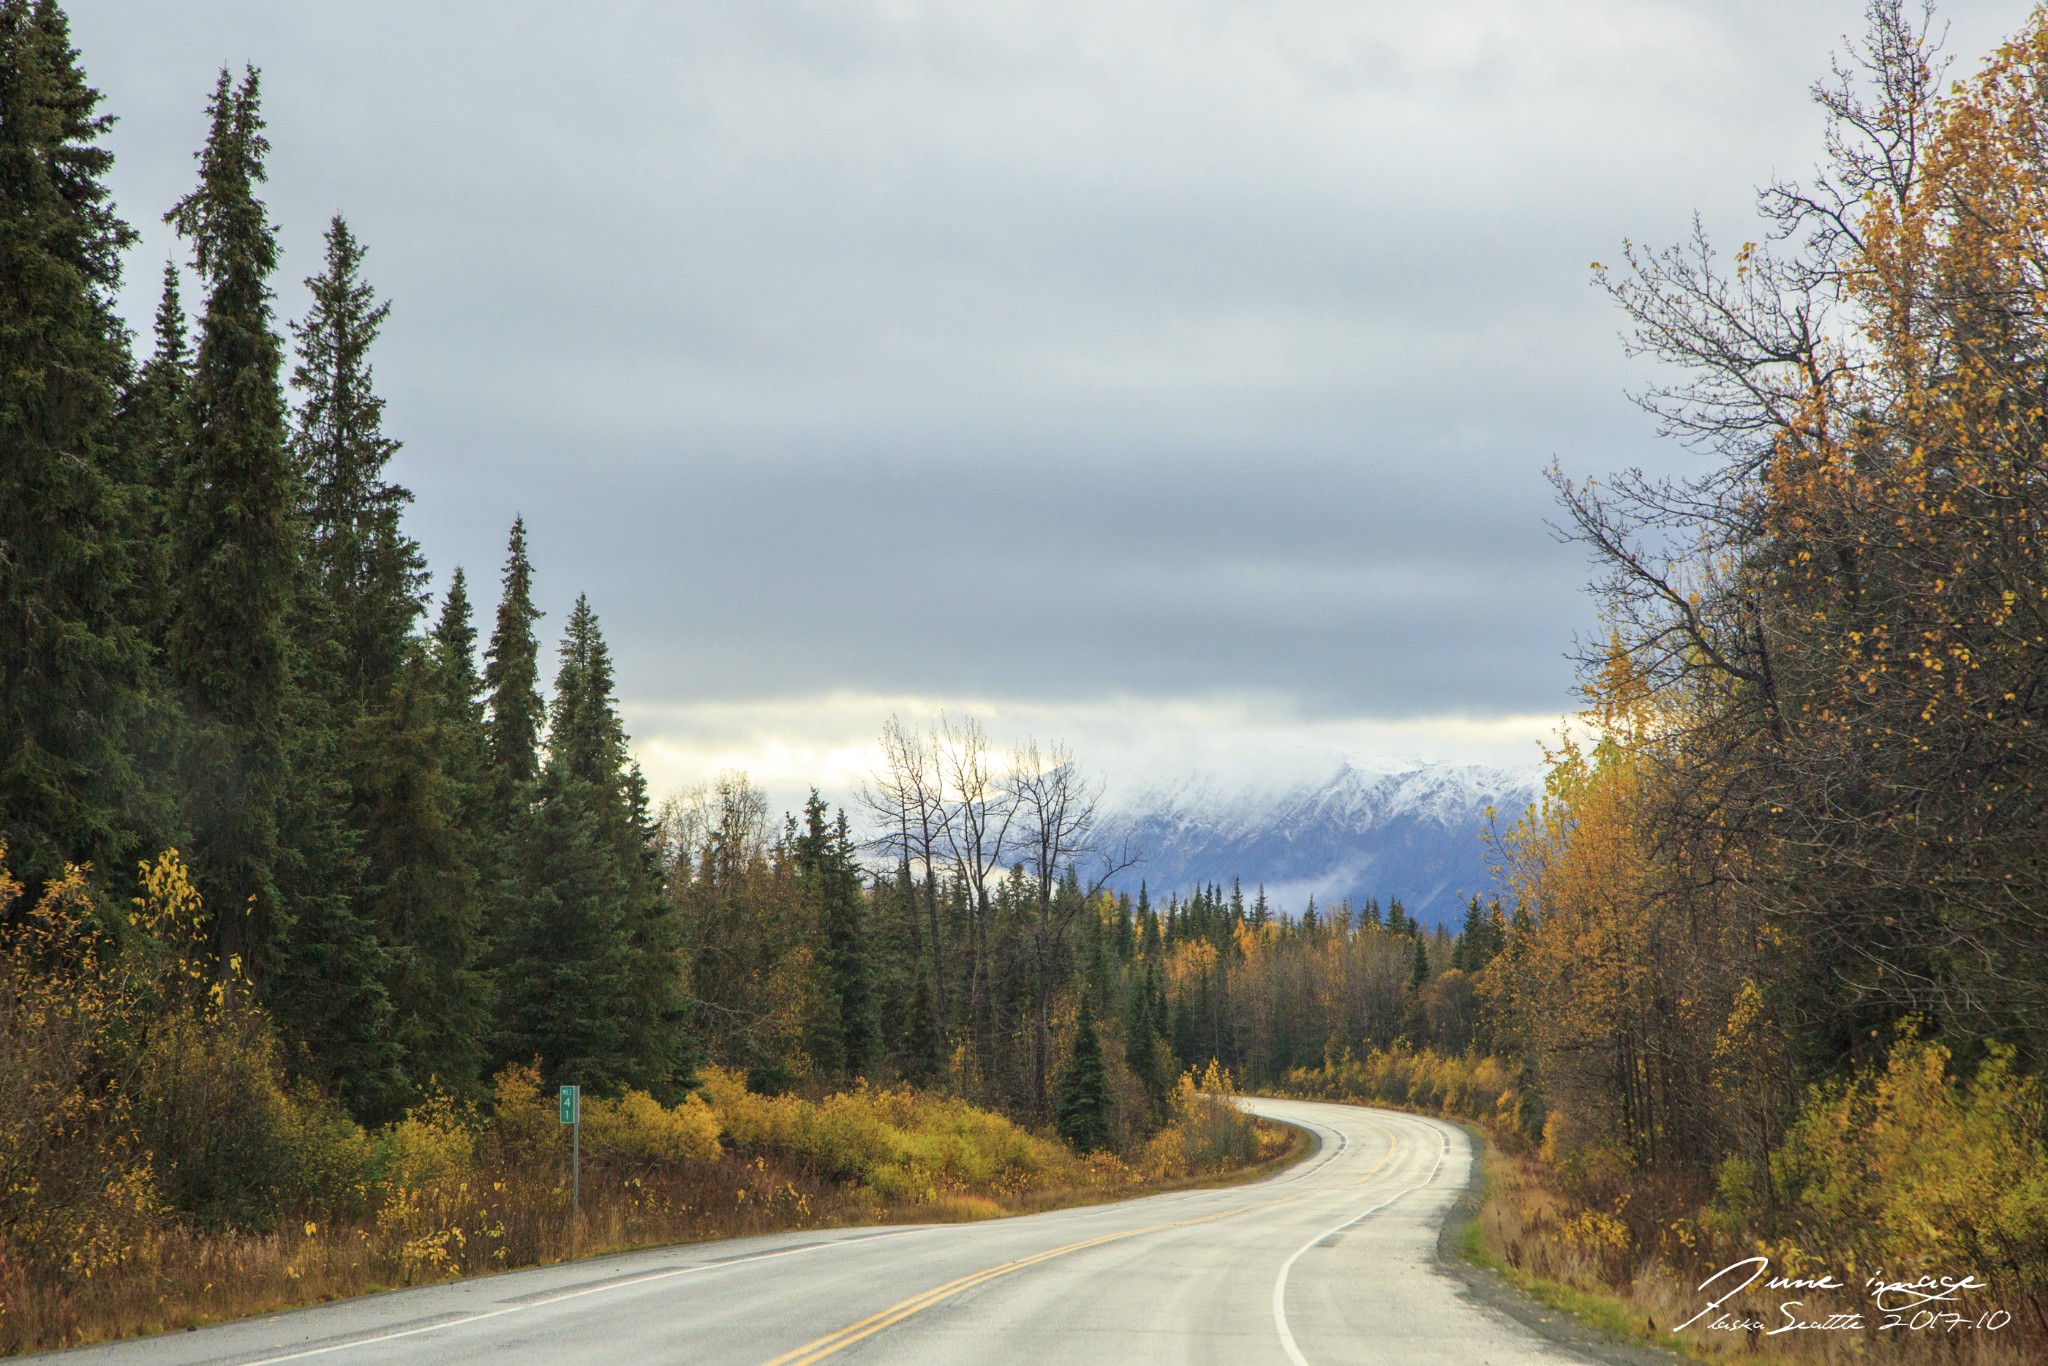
{"points": [[1416, 834]]}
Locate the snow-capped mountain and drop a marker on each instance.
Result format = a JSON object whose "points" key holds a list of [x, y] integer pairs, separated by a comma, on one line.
{"points": [[1416, 834]]}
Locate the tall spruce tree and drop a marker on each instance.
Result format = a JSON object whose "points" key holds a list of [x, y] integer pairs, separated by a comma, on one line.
{"points": [[72, 665], [586, 740], [326, 978], [847, 950], [568, 979], [512, 676], [1081, 1095], [666, 1054], [1146, 1050], [824, 859], [465, 747], [462, 690], [587, 747], [561, 975], [152, 437], [423, 900], [368, 572], [381, 682], [235, 552], [505, 788]]}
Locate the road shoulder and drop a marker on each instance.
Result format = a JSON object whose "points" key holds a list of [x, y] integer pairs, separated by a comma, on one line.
{"points": [[1491, 1290]]}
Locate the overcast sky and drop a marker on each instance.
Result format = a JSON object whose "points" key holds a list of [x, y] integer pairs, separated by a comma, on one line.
{"points": [[1177, 378]]}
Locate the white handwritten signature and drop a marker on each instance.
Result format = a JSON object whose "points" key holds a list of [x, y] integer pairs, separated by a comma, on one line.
{"points": [[1922, 1303]]}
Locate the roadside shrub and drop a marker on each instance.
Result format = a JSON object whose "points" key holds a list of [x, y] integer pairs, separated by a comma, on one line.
{"points": [[1916, 1169], [211, 1105], [77, 1188], [329, 1160], [900, 1143], [637, 1126], [434, 1144], [750, 1121], [1205, 1131], [524, 1124], [1475, 1086]]}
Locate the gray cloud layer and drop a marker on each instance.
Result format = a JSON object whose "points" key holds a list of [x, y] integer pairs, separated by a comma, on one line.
{"points": [[1032, 350]]}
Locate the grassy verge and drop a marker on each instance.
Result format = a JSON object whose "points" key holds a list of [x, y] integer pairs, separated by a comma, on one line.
{"points": [[454, 1192], [1625, 1254], [1503, 1237], [1533, 1233]]}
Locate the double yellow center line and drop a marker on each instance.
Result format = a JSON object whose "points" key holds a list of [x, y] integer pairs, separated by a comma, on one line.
{"points": [[896, 1313], [820, 1348]]}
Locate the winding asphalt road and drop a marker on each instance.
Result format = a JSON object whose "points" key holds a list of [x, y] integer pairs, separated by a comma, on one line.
{"points": [[1332, 1260]]}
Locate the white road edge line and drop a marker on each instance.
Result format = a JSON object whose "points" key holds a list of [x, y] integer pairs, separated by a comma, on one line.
{"points": [[570, 1295], [1287, 1342]]}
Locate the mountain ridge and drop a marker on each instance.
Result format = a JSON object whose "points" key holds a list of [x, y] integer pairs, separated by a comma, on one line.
{"points": [[1416, 833]]}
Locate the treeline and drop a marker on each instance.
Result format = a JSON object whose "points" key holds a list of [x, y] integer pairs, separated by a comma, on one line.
{"points": [[216, 640], [993, 961]]}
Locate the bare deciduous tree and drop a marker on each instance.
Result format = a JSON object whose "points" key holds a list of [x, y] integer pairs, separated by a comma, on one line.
{"points": [[907, 798]]}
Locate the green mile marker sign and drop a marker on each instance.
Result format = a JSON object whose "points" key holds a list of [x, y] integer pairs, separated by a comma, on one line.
{"points": [[571, 1103]]}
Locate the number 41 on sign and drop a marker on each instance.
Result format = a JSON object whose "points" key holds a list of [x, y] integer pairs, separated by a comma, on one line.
{"points": [[571, 1103]]}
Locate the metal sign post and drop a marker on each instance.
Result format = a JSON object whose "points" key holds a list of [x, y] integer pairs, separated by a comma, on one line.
{"points": [[571, 1102]]}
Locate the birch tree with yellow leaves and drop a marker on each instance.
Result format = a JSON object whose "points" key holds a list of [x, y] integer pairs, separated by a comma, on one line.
{"points": [[1844, 622]]}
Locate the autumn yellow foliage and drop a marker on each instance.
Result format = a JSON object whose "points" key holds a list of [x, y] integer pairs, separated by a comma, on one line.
{"points": [[1471, 1086], [156, 1165], [1206, 1131], [1916, 1169]]}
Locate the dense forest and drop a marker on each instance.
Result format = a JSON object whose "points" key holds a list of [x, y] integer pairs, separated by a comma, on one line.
{"points": [[216, 642]]}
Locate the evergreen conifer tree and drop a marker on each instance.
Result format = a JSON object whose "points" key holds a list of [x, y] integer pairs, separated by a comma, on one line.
{"points": [[367, 571], [455, 655], [593, 981], [464, 747], [825, 860], [72, 663], [152, 436], [1081, 1095], [665, 1055], [506, 785], [1146, 1050], [326, 974], [512, 677], [1397, 918], [380, 683], [1469, 953], [424, 892], [235, 551], [560, 987], [924, 1053]]}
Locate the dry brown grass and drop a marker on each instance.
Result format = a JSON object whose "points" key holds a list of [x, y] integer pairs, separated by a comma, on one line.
{"points": [[1591, 1263]]}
